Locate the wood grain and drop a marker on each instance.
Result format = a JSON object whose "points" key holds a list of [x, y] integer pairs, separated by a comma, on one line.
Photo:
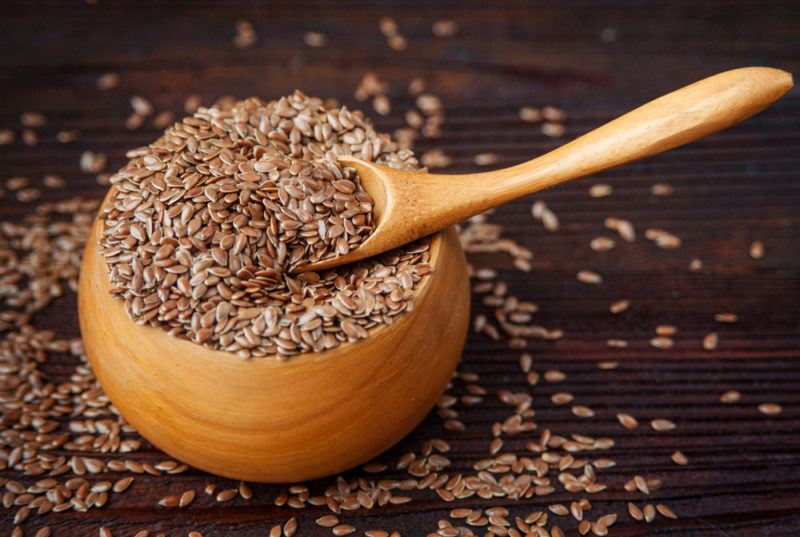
{"points": [[732, 188]]}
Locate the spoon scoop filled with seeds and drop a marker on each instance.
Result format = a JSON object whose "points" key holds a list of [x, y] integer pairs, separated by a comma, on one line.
{"points": [[409, 204]]}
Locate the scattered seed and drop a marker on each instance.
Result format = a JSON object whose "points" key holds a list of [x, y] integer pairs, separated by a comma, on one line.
{"points": [[315, 39], [602, 244], [665, 511], [245, 36], [108, 81], [710, 341], [661, 189], [600, 190], [726, 317], [290, 528], [662, 342], [627, 421], [770, 409], [227, 495], [679, 458], [486, 159], [587, 276], [620, 306], [186, 498], [445, 28], [730, 396], [662, 424], [757, 250], [582, 411]]}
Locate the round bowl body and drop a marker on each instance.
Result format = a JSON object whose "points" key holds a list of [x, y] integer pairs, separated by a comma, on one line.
{"points": [[264, 420]]}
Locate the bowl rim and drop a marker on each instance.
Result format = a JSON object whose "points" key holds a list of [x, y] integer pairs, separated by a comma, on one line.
{"points": [[269, 361]]}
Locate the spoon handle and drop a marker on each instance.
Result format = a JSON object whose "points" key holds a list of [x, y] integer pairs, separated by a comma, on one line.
{"points": [[680, 117]]}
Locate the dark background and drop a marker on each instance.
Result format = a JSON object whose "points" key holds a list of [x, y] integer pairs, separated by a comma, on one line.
{"points": [[729, 190]]}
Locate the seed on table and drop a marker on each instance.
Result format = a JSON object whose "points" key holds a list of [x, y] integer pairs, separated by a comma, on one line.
{"points": [[525, 362], [661, 189], [495, 446], [227, 495], [276, 531], [665, 511], [757, 250], [666, 330], [43, 532], [561, 398], [141, 106], [290, 528], [7, 136], [770, 409], [142, 533], [108, 81], [730, 396], [485, 159], [343, 529], [444, 28], [105, 532], [554, 375], [327, 521], [679, 458], [163, 119], [608, 364], [435, 158], [635, 512], [553, 130], [641, 484], [531, 114], [53, 181], [186, 498], [30, 138], [696, 265], [245, 491], [382, 105], [602, 244], [195, 534], [600, 190], [588, 276], [92, 162], [710, 341], [558, 509], [32, 119], [245, 36], [726, 317], [169, 501], [661, 424], [315, 39], [616, 343], [582, 411], [584, 527], [67, 136], [662, 342], [649, 513]]}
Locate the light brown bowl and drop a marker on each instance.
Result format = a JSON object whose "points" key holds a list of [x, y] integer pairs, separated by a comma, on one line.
{"points": [[264, 420]]}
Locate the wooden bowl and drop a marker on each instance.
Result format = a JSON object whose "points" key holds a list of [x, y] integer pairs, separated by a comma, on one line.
{"points": [[263, 420]]}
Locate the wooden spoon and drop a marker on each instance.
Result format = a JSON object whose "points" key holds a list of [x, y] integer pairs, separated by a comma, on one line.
{"points": [[410, 205]]}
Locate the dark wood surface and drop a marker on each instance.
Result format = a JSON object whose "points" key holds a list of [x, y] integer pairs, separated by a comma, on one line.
{"points": [[743, 478]]}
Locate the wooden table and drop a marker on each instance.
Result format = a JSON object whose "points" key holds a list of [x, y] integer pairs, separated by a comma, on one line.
{"points": [[594, 59]]}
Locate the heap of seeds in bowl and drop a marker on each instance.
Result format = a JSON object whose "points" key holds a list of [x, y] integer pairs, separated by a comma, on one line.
{"points": [[204, 226]]}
